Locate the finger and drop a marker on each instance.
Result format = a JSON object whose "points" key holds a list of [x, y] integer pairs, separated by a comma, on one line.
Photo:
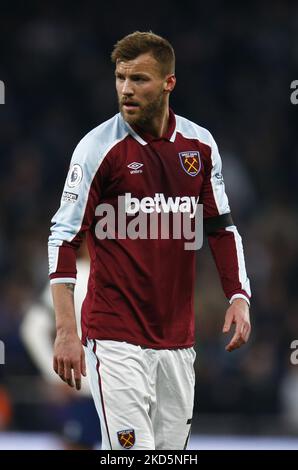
{"points": [[70, 382], [67, 373], [77, 375], [61, 369], [83, 364], [55, 364], [234, 345], [228, 323], [235, 342], [239, 329], [246, 332]]}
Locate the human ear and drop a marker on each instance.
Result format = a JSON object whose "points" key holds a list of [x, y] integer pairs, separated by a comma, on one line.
{"points": [[169, 83]]}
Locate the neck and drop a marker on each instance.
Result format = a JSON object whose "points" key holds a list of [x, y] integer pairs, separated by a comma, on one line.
{"points": [[160, 123], [157, 126]]}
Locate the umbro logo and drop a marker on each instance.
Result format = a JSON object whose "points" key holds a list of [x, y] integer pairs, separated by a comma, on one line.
{"points": [[135, 167]]}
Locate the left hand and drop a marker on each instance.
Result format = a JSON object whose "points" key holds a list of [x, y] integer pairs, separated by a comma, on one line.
{"points": [[238, 314]]}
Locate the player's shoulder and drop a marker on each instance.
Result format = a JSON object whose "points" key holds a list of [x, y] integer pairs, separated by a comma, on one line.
{"points": [[191, 130], [101, 139]]}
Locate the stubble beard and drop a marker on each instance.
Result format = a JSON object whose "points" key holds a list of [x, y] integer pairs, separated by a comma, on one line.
{"points": [[145, 114]]}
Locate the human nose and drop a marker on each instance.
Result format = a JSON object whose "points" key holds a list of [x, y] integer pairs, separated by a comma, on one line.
{"points": [[127, 89]]}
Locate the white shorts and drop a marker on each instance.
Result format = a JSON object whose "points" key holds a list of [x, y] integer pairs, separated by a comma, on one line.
{"points": [[144, 397]]}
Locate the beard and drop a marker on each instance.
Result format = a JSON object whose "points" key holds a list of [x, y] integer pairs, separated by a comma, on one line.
{"points": [[144, 114]]}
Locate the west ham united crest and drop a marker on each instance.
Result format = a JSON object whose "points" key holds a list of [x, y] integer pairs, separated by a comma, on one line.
{"points": [[126, 438], [190, 162]]}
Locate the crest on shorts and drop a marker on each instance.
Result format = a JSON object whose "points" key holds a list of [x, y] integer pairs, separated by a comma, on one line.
{"points": [[190, 162], [126, 438]]}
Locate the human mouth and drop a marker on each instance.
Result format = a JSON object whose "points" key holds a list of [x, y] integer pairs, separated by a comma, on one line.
{"points": [[130, 105]]}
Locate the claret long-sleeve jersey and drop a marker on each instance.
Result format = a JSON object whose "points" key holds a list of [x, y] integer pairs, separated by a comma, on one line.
{"points": [[141, 290]]}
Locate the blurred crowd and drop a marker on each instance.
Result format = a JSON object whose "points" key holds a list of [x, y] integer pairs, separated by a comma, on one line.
{"points": [[235, 63]]}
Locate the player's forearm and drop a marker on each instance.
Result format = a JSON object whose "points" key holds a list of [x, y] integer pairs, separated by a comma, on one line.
{"points": [[63, 298], [227, 250]]}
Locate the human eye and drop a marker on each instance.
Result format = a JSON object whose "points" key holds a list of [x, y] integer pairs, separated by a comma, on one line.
{"points": [[140, 78], [119, 77]]}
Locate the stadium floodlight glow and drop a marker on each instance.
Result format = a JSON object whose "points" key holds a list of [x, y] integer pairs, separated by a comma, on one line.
{"points": [[2, 92], [2, 353]]}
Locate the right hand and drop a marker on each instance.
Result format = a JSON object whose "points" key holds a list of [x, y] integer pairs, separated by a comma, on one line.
{"points": [[69, 358]]}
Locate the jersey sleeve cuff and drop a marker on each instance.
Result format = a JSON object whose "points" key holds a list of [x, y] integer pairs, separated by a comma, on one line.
{"points": [[63, 280], [239, 296]]}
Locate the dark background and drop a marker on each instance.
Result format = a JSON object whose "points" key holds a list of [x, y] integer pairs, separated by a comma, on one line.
{"points": [[235, 64]]}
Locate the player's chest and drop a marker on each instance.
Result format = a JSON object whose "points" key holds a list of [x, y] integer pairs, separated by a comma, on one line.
{"points": [[159, 167]]}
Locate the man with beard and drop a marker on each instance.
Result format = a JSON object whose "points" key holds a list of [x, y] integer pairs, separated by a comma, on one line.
{"points": [[138, 315]]}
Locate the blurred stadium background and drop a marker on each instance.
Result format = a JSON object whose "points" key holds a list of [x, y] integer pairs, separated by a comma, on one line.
{"points": [[235, 63]]}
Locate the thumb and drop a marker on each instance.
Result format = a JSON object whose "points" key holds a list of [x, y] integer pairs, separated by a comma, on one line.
{"points": [[228, 323], [83, 364]]}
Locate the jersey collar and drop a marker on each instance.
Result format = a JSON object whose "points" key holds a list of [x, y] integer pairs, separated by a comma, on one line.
{"points": [[144, 138]]}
